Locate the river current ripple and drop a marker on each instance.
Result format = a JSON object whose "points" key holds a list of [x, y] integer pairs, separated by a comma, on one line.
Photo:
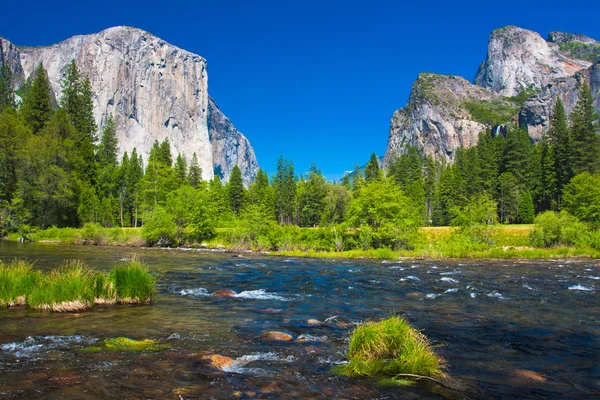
{"points": [[507, 328]]}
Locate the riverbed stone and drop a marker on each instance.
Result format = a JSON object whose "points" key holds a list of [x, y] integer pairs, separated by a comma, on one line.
{"points": [[217, 361], [276, 336], [525, 375], [224, 293], [313, 321]]}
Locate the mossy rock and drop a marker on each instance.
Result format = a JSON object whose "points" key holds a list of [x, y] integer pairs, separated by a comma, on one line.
{"points": [[126, 344], [91, 349]]}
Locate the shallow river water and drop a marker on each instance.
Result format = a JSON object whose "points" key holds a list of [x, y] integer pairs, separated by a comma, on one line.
{"points": [[507, 328]]}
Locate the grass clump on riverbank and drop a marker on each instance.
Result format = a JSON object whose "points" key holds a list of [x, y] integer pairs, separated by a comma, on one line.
{"points": [[74, 286], [133, 283], [16, 279], [67, 288], [389, 348]]}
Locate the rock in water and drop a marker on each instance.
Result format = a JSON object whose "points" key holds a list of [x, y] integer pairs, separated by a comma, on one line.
{"points": [[519, 59], [217, 361], [224, 293], [275, 336], [154, 91]]}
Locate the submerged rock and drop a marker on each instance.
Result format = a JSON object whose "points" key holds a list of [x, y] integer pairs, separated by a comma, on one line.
{"points": [[314, 322], [275, 336], [525, 375], [224, 293]]}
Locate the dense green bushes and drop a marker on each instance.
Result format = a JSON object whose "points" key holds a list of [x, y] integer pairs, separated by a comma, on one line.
{"points": [[557, 229], [74, 286]]}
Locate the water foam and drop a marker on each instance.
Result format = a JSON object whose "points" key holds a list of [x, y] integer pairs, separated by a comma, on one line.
{"points": [[195, 292], [581, 288], [33, 345], [259, 294], [449, 280], [495, 295]]}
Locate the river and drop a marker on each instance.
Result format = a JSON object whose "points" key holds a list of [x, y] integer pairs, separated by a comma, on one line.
{"points": [[507, 328]]}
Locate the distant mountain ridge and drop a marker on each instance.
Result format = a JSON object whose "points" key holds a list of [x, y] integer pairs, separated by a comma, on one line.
{"points": [[154, 91], [520, 80]]}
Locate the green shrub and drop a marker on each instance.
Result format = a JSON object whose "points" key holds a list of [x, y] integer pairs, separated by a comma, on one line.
{"points": [[556, 229], [492, 113], [93, 233], [159, 228], [391, 347]]}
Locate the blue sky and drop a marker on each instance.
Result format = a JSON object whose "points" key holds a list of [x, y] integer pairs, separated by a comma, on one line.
{"points": [[310, 80]]}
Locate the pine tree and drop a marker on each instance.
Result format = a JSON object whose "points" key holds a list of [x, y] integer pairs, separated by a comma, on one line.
{"points": [[13, 135], [262, 194], [372, 168], [311, 197], [526, 212], [560, 147], [134, 175], [284, 183], [7, 95], [584, 133], [195, 173], [236, 190], [108, 148], [516, 154], [37, 105], [181, 169]]}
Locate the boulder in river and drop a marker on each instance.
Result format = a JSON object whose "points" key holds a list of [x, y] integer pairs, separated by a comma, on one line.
{"points": [[275, 336], [313, 321], [217, 361], [224, 293]]}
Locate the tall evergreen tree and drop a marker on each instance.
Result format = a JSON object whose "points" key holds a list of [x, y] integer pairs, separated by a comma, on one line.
{"points": [[181, 169], [236, 190], [284, 183], [584, 131], [7, 95], [516, 154], [195, 173], [372, 168], [37, 106], [560, 149], [109, 144], [311, 197]]}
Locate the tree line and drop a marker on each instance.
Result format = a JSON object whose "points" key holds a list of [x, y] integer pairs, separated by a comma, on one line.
{"points": [[56, 171]]}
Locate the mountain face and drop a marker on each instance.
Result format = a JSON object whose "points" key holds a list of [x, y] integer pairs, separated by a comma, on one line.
{"points": [[519, 59], [229, 146], [439, 116], [153, 90], [537, 110], [444, 113]]}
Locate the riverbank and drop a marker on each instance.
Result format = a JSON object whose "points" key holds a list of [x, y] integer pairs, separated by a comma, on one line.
{"points": [[506, 242]]}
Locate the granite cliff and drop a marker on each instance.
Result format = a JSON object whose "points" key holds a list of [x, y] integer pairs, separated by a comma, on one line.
{"points": [[154, 91], [520, 80]]}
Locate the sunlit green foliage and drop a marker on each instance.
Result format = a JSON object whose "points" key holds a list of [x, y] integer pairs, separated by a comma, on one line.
{"points": [[391, 347]]}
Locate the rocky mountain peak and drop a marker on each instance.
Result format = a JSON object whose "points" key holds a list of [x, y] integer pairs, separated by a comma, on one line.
{"points": [[519, 59], [576, 46]]}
